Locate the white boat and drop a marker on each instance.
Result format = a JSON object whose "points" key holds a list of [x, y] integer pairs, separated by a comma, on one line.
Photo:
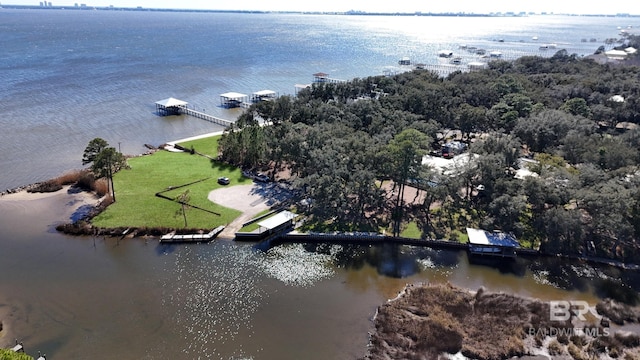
{"points": [[445, 53], [456, 61]]}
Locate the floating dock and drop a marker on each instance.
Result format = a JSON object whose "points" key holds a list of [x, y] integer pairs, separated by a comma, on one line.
{"points": [[191, 238]]}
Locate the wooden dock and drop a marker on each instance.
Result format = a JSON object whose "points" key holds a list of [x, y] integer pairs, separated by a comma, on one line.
{"points": [[173, 238], [203, 116], [376, 238]]}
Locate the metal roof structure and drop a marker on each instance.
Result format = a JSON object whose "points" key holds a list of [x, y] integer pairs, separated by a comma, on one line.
{"points": [[277, 220], [264, 93], [498, 239], [233, 95], [171, 102]]}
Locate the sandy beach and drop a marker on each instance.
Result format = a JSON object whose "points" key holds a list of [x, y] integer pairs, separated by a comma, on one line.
{"points": [[39, 202], [37, 208]]}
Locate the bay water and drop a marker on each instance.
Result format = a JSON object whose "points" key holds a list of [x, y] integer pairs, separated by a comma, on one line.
{"points": [[67, 77]]}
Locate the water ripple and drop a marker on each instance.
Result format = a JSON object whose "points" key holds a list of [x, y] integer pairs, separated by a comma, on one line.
{"points": [[295, 266], [214, 297]]}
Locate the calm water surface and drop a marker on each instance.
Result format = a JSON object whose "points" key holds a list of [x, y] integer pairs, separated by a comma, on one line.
{"points": [[69, 76], [134, 299]]}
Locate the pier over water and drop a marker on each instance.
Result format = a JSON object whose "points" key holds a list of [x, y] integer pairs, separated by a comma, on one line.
{"points": [[173, 106]]}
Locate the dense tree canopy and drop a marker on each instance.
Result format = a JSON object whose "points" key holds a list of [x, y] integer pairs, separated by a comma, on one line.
{"points": [[350, 149]]}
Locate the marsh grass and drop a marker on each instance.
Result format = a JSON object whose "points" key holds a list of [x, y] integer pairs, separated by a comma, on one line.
{"points": [[431, 319]]}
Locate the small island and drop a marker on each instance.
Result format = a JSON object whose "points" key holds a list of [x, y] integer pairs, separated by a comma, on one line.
{"points": [[428, 321]]}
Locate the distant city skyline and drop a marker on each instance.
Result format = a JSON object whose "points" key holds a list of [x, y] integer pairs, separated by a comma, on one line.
{"points": [[459, 6]]}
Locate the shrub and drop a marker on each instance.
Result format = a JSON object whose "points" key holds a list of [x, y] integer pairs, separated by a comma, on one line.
{"points": [[630, 356], [101, 187], [43, 187], [578, 340], [70, 177], [85, 181], [6, 354], [628, 339], [563, 339], [440, 333], [555, 348], [576, 352], [617, 312]]}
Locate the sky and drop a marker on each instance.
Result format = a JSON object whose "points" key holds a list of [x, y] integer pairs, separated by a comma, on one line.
{"points": [[407, 6]]}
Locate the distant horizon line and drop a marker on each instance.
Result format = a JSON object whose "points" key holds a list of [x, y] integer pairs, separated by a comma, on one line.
{"points": [[350, 12]]}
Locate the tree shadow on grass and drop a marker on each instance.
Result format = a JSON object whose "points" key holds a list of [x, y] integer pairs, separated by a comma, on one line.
{"points": [[220, 166]]}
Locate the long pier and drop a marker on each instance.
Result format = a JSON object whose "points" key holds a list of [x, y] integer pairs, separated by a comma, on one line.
{"points": [[375, 238], [203, 116]]}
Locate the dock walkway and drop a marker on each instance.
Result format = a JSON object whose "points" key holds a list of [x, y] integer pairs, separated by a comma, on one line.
{"points": [[376, 238], [191, 238], [207, 117]]}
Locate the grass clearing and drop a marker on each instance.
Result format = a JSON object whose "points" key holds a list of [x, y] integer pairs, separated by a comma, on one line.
{"points": [[207, 146], [137, 206], [7, 354], [254, 226], [411, 231]]}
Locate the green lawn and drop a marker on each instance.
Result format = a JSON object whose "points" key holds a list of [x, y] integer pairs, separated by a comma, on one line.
{"points": [[411, 231], [137, 206], [207, 146], [254, 226], [6, 354]]}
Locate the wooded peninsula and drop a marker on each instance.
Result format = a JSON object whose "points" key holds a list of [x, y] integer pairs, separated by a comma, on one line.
{"points": [[354, 151]]}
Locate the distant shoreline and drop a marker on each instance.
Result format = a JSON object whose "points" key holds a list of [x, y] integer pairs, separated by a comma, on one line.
{"points": [[351, 13]]}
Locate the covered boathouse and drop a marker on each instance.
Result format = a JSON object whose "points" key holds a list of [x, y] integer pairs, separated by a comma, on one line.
{"points": [[233, 99], [497, 244], [263, 95], [170, 106], [275, 225]]}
